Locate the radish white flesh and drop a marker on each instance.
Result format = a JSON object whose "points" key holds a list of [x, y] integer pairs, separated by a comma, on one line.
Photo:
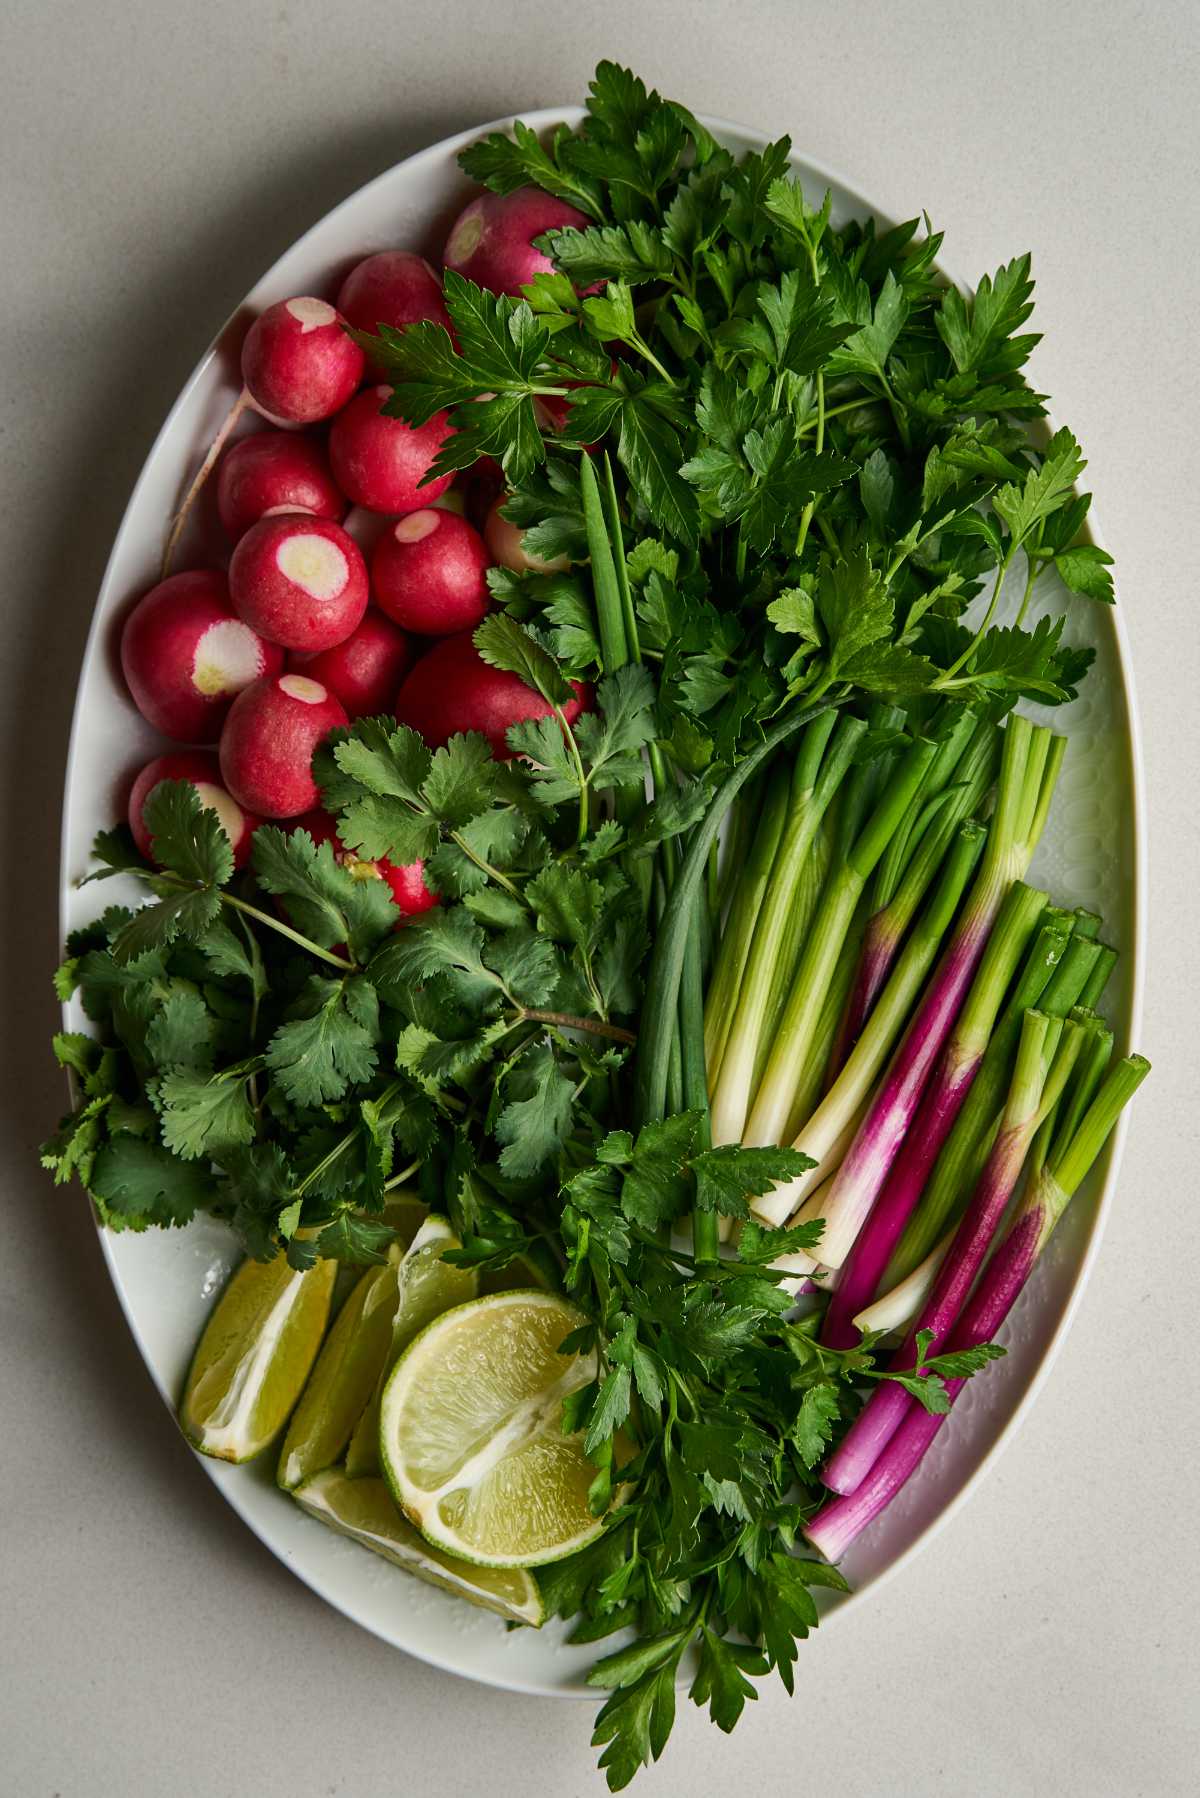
{"points": [[299, 581], [186, 656]]}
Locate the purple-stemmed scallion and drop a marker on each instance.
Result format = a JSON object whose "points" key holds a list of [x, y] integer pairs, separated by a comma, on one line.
{"points": [[940, 1106], [902, 878], [899, 1307], [1061, 971], [826, 753], [853, 864], [823, 1136], [1046, 1054], [841, 1519], [1029, 768]]}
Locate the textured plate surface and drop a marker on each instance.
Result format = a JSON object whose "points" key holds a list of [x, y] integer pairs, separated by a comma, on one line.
{"points": [[166, 1280]]}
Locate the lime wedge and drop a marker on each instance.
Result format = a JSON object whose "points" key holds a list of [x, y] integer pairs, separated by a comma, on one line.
{"points": [[254, 1357], [363, 1510], [471, 1433], [427, 1286], [354, 1355]]}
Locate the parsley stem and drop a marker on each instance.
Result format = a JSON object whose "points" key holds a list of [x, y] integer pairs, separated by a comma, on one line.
{"points": [[835, 412], [947, 679], [898, 412], [806, 515], [637, 342], [262, 917], [1031, 574]]}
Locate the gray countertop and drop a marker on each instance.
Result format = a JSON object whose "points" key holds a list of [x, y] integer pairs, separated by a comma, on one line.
{"points": [[154, 159]]}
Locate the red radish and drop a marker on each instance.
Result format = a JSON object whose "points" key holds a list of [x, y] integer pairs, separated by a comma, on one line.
{"points": [[395, 288], [453, 689], [275, 471], [429, 573], [298, 366], [491, 242], [268, 741], [381, 462], [186, 656], [202, 768], [506, 544], [365, 670], [409, 890], [300, 581]]}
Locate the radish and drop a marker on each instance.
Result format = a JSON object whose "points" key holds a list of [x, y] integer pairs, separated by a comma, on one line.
{"points": [[268, 742], [506, 545], [299, 581], [395, 288], [186, 656], [202, 768], [275, 471], [491, 241], [409, 890], [382, 463], [453, 689], [298, 366], [364, 670], [429, 573]]}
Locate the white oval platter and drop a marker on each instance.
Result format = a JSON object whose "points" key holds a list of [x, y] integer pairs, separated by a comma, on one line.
{"points": [[166, 1280]]}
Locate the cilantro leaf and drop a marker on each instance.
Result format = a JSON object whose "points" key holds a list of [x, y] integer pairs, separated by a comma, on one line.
{"points": [[535, 1122], [188, 837], [205, 1115], [317, 1056], [143, 1183]]}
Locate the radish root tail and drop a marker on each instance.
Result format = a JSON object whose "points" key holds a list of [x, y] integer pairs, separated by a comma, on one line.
{"points": [[202, 474]]}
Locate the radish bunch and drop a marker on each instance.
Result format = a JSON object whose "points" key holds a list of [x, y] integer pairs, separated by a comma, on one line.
{"points": [[303, 631]]}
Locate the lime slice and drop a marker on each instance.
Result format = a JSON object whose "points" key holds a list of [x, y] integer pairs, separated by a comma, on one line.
{"points": [[347, 1372], [471, 1433], [254, 1357], [427, 1286], [363, 1510]]}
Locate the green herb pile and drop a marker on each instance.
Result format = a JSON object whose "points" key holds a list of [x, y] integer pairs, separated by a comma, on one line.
{"points": [[794, 459]]}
